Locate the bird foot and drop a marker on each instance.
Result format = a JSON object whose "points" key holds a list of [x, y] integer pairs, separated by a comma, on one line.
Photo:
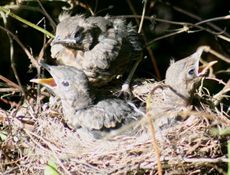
{"points": [[125, 91]]}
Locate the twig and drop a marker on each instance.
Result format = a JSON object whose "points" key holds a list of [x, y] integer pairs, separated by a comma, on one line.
{"points": [[196, 17], [29, 133], [153, 133], [213, 19], [7, 12], [52, 23], [10, 90], [12, 58], [188, 26], [12, 104], [220, 95], [9, 82], [222, 57], [220, 118], [30, 56], [182, 30], [153, 59], [142, 16], [205, 160]]}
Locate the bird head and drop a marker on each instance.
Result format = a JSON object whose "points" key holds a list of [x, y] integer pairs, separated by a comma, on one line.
{"points": [[68, 83], [75, 33], [183, 74]]}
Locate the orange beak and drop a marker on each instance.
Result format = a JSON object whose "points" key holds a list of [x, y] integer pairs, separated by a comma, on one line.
{"points": [[49, 82]]}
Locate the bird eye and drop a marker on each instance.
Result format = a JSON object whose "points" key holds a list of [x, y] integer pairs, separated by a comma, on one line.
{"points": [[65, 83], [191, 71], [77, 37]]}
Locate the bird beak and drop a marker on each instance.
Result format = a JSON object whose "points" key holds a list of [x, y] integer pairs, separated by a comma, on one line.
{"points": [[62, 41], [201, 70], [196, 56], [204, 68], [67, 42], [48, 82]]}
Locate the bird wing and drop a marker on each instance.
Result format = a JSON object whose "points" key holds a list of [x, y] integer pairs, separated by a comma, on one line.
{"points": [[165, 101], [107, 114]]}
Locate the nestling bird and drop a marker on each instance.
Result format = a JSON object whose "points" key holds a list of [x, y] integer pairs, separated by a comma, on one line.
{"points": [[102, 47], [81, 109], [176, 93]]}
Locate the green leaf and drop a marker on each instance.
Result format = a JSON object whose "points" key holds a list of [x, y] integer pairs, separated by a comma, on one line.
{"points": [[3, 135], [51, 168]]}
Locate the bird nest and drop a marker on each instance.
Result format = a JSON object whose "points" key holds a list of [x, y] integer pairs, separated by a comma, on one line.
{"points": [[38, 141]]}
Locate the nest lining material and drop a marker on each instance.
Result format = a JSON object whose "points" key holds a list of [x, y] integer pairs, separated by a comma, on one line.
{"points": [[187, 147]]}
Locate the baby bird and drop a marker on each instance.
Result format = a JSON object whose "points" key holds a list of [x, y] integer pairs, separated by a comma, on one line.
{"points": [[102, 47], [176, 93], [81, 109]]}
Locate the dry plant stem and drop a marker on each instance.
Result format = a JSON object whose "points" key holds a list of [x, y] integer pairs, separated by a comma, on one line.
{"points": [[207, 66], [73, 3], [10, 90], [13, 65], [47, 15], [86, 6], [153, 133], [30, 56], [12, 104], [23, 7], [186, 27], [153, 59], [31, 135], [220, 95], [39, 58], [182, 30], [12, 57], [198, 18], [214, 19], [7, 12], [9, 82], [197, 160], [220, 56], [142, 16], [220, 118]]}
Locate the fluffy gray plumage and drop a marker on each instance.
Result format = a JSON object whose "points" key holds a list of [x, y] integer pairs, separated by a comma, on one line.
{"points": [[102, 47], [80, 108], [176, 93]]}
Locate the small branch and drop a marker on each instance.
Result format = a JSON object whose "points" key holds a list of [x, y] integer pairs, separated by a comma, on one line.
{"points": [[7, 12], [205, 160], [214, 19], [30, 56], [9, 82], [10, 90], [182, 30], [52, 23], [220, 95], [153, 133], [142, 16], [197, 18], [222, 57], [188, 26], [197, 160], [153, 59], [49, 145], [12, 57]]}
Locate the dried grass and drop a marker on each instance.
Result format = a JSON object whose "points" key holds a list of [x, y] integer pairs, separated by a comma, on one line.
{"points": [[188, 147]]}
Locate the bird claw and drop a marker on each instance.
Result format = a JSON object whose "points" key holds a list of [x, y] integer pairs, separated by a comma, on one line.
{"points": [[125, 91]]}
